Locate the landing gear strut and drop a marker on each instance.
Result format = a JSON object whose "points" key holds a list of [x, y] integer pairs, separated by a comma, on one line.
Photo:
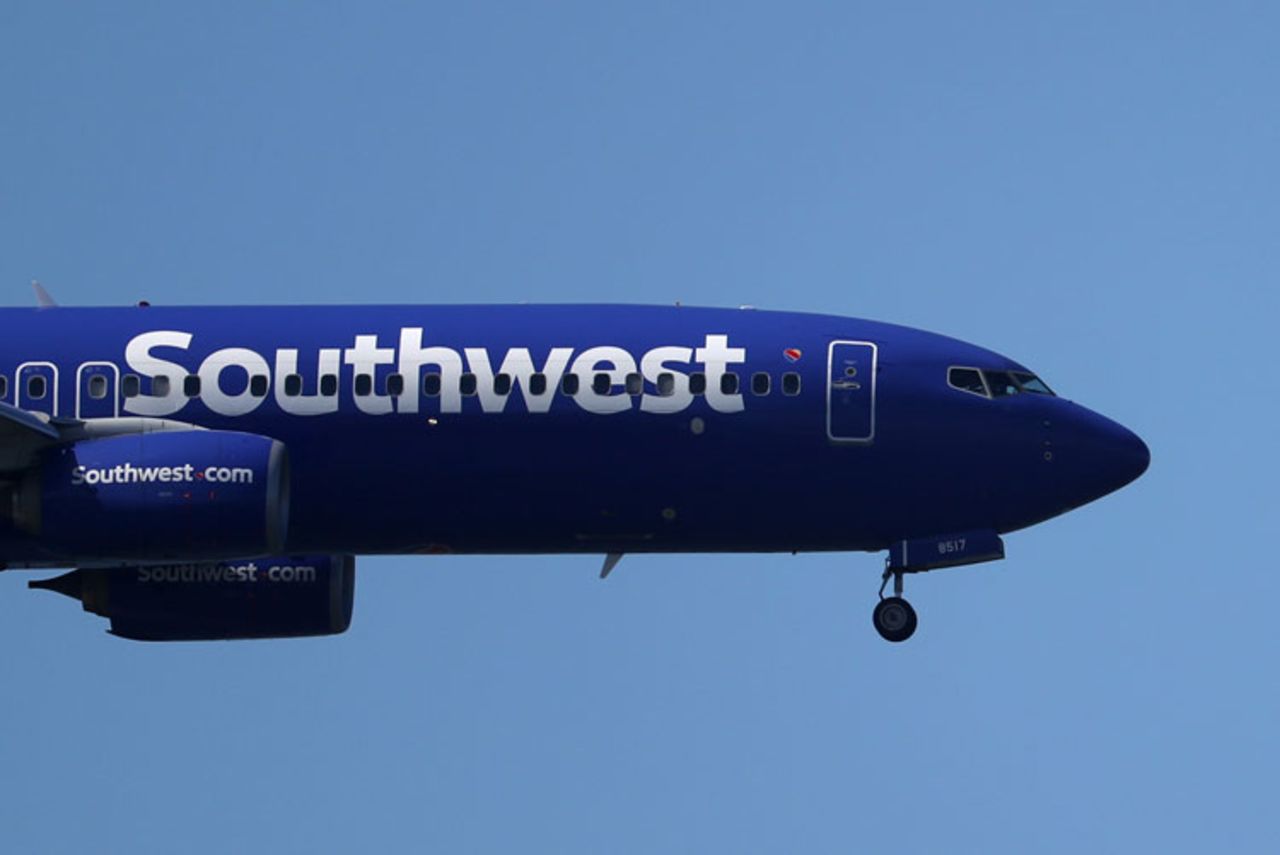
{"points": [[893, 617]]}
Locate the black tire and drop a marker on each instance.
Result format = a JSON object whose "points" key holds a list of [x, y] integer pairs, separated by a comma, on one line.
{"points": [[894, 619]]}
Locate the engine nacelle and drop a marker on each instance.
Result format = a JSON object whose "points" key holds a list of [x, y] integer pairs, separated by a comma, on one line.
{"points": [[180, 495], [278, 597]]}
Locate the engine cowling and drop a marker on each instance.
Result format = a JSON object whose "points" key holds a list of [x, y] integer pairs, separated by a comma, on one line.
{"points": [[277, 597], [197, 494]]}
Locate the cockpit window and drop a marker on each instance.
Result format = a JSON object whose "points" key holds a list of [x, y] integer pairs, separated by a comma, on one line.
{"points": [[1033, 384], [967, 380], [1004, 383]]}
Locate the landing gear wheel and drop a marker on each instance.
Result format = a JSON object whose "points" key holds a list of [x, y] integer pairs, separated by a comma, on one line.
{"points": [[894, 618]]}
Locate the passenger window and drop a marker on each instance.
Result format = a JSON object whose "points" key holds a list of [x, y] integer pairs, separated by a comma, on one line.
{"points": [[191, 385], [4, 386], [967, 380], [602, 384], [431, 385], [635, 384], [97, 387], [698, 383], [130, 385], [760, 383], [502, 384], [293, 385], [569, 384], [791, 383], [666, 384], [328, 385], [364, 385], [35, 388], [729, 383], [258, 384], [160, 386], [537, 384], [467, 384], [395, 384]]}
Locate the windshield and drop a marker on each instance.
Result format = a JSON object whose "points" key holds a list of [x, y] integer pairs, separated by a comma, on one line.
{"points": [[1004, 383], [1031, 383]]}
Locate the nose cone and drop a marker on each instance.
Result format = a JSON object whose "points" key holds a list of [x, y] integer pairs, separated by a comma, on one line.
{"points": [[1134, 456], [1103, 456], [1119, 456]]}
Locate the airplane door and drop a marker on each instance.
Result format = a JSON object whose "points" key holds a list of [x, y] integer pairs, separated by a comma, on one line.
{"points": [[37, 387], [851, 391], [97, 395]]}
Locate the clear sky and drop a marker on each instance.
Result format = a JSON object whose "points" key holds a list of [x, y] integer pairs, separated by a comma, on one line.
{"points": [[1091, 189]]}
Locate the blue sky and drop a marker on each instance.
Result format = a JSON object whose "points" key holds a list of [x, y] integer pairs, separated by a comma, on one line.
{"points": [[1090, 189]]}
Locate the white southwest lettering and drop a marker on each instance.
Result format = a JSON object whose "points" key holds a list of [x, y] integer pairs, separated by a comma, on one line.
{"points": [[127, 473], [328, 362], [139, 357], [411, 360], [518, 365]]}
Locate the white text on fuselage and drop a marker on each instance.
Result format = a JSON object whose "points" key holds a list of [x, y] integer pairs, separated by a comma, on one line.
{"points": [[411, 359]]}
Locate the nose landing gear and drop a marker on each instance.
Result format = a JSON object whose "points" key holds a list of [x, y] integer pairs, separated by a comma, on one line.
{"points": [[893, 617]]}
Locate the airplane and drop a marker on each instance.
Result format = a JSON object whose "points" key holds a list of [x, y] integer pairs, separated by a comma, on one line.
{"points": [[212, 472]]}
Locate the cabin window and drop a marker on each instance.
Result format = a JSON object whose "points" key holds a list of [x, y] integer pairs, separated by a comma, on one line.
{"points": [[502, 384], [97, 387], [467, 384], [760, 383], [537, 384], [258, 385], [635, 384], [395, 384], [364, 385], [569, 384], [328, 385], [293, 385], [36, 387], [431, 384], [791, 383], [729, 383], [967, 380], [602, 383], [4, 387], [160, 386], [666, 384], [130, 385], [698, 383], [191, 385]]}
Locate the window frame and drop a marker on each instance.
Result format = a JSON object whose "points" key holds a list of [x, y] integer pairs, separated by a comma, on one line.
{"points": [[982, 376]]}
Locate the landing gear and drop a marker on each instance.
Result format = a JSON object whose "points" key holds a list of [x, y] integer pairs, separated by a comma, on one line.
{"points": [[893, 617]]}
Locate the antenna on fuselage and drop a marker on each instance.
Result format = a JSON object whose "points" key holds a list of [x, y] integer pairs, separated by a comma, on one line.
{"points": [[43, 300]]}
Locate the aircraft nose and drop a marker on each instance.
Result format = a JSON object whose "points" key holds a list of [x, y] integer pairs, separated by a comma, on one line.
{"points": [[1108, 455], [1126, 456]]}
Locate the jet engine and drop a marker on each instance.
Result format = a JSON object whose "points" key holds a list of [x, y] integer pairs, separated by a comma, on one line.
{"points": [[169, 495], [277, 597]]}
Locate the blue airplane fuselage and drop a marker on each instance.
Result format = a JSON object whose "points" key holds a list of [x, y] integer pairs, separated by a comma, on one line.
{"points": [[414, 429]]}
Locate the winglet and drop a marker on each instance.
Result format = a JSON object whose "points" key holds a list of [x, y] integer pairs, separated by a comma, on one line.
{"points": [[610, 561], [43, 300]]}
